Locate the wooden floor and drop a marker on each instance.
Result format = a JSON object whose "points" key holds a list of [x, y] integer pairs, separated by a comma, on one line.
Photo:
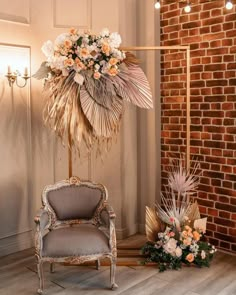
{"points": [[18, 276]]}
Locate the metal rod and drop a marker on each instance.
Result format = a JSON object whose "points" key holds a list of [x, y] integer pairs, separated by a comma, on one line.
{"points": [[188, 111]]}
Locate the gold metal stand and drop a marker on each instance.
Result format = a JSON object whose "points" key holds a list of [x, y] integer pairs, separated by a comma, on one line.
{"points": [[145, 48]]}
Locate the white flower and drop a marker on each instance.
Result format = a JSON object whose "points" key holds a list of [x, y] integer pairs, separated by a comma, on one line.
{"points": [[48, 49], [115, 40], [194, 248], [203, 254], [79, 79], [105, 32], [170, 246], [57, 62], [97, 67], [178, 252], [61, 38]]}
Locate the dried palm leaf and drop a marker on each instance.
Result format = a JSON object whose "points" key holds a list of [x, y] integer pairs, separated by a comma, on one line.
{"points": [[193, 212], [153, 224], [104, 121], [42, 72], [137, 89], [131, 59], [171, 212]]}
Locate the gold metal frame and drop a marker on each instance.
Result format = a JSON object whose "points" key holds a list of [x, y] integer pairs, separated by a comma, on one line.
{"points": [[147, 48]]}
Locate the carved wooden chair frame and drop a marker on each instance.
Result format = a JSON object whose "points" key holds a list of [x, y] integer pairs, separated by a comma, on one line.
{"points": [[52, 222]]}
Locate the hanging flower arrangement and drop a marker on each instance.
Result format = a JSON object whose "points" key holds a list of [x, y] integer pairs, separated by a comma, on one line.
{"points": [[88, 78]]}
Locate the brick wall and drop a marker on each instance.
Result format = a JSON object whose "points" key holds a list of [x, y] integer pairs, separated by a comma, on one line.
{"points": [[210, 30]]}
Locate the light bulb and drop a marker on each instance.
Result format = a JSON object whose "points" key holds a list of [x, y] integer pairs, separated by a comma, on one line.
{"points": [[157, 5], [229, 5], [187, 8]]}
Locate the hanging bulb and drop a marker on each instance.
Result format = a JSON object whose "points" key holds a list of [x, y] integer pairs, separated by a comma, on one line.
{"points": [[229, 5], [187, 8], [158, 4]]}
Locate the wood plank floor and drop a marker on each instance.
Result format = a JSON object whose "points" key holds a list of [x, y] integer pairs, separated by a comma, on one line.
{"points": [[18, 276]]}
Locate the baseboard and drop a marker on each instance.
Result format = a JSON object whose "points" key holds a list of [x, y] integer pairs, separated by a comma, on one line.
{"points": [[122, 233], [16, 243]]}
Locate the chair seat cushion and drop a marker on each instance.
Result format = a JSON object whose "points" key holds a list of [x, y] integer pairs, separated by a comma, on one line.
{"points": [[81, 240]]}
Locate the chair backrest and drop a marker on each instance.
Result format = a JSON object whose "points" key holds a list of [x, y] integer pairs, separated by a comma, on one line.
{"points": [[73, 199]]}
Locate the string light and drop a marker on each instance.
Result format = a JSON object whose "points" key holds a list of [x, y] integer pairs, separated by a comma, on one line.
{"points": [[229, 5], [158, 4], [187, 8]]}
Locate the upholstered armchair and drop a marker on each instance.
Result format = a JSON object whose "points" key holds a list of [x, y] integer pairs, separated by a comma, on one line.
{"points": [[75, 225]]}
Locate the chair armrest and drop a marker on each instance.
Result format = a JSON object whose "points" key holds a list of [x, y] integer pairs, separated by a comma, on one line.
{"points": [[107, 214], [107, 217], [42, 220]]}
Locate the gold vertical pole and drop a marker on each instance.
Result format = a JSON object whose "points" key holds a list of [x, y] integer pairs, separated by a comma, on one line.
{"points": [[188, 111], [69, 154]]}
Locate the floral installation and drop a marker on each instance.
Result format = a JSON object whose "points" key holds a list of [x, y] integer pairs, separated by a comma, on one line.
{"points": [[174, 229], [88, 78]]}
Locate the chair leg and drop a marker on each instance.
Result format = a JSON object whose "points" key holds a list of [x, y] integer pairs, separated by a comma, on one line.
{"points": [[98, 264], [114, 286], [40, 275], [52, 267]]}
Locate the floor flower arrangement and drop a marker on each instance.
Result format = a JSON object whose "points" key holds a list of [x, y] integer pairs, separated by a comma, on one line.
{"points": [[175, 230]]}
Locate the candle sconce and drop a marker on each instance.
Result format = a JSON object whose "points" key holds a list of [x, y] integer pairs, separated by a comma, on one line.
{"points": [[13, 77]]}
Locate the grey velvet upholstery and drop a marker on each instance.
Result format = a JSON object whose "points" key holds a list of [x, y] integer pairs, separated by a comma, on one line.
{"points": [[74, 202], [84, 239]]}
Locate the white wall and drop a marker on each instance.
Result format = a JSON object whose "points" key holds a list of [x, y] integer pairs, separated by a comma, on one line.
{"points": [[30, 24]]}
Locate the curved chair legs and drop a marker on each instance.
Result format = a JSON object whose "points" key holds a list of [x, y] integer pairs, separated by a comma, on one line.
{"points": [[40, 275], [98, 264], [114, 286], [52, 267]]}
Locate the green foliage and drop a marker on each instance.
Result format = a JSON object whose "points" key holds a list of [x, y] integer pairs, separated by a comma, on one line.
{"points": [[156, 254]]}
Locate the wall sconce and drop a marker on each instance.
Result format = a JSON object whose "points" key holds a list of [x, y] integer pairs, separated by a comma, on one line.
{"points": [[13, 77]]}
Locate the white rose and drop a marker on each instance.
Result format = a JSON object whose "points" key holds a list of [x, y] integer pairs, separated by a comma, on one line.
{"points": [[178, 252], [115, 40], [61, 38], [170, 246], [58, 62], [48, 49], [105, 32]]}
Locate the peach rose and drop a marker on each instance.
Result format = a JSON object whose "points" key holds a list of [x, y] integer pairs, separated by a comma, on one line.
{"points": [[106, 48], [84, 52], [113, 61], [112, 71], [190, 257], [196, 236], [73, 31], [69, 62], [188, 228], [187, 241], [79, 64], [67, 43], [184, 234], [96, 75]]}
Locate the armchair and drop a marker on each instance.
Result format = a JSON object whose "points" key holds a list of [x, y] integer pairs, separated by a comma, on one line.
{"points": [[75, 225]]}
